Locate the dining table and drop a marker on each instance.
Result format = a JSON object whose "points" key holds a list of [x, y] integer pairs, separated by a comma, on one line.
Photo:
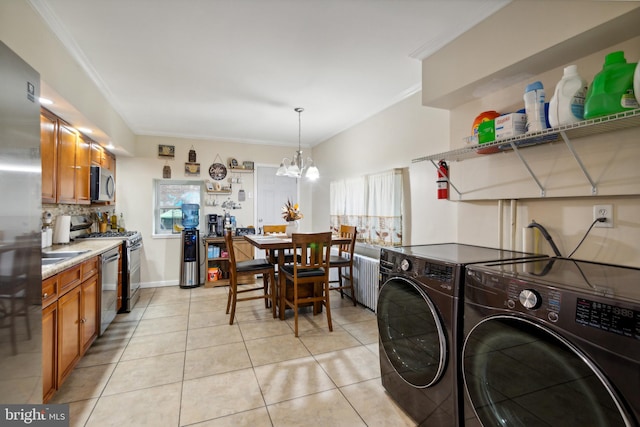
{"points": [[276, 245]]}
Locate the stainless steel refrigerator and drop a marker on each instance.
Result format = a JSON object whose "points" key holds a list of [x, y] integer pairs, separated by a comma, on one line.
{"points": [[20, 232]]}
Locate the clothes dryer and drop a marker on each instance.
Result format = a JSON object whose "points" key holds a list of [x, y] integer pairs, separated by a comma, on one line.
{"points": [[419, 323], [551, 343]]}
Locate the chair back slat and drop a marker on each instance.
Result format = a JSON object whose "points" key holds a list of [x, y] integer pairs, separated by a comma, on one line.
{"points": [[314, 249], [351, 232], [279, 228]]}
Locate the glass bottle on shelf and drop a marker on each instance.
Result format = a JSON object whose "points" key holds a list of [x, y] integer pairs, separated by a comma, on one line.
{"points": [[121, 223], [114, 221]]}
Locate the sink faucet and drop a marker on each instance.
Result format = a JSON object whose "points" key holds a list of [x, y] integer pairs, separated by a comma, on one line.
{"points": [[546, 235]]}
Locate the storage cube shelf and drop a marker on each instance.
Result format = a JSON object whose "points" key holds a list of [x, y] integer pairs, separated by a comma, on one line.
{"points": [[218, 259]]}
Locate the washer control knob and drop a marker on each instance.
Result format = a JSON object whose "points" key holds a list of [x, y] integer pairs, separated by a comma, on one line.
{"points": [[530, 299], [553, 316], [405, 265], [511, 304]]}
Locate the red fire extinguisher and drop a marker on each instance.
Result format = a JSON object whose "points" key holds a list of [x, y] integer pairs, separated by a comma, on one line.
{"points": [[443, 182]]}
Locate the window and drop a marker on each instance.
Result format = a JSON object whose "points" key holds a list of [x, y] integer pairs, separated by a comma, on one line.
{"points": [[170, 195], [373, 203]]}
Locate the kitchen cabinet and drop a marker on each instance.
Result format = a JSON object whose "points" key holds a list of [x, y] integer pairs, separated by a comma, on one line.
{"points": [[242, 250], [538, 141], [66, 162], [70, 323], [49, 340], [48, 152], [89, 319], [103, 158], [83, 171], [69, 328], [66, 176]]}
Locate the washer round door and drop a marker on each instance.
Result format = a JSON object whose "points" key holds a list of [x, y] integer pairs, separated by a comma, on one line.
{"points": [[519, 373], [411, 332]]}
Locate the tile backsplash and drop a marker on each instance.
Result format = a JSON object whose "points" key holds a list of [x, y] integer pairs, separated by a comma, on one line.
{"points": [[59, 209]]}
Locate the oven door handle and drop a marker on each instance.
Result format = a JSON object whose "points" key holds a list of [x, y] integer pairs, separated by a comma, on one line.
{"points": [[136, 247]]}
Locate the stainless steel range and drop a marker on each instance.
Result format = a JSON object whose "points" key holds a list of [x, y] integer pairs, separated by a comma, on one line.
{"points": [[132, 244]]}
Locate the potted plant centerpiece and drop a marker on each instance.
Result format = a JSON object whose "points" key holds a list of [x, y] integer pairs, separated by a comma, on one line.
{"points": [[291, 214]]}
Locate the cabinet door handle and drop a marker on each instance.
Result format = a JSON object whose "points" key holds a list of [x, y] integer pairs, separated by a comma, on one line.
{"points": [[45, 295]]}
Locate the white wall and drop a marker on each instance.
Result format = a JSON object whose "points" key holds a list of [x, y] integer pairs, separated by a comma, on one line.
{"points": [[391, 139], [22, 29], [134, 193]]}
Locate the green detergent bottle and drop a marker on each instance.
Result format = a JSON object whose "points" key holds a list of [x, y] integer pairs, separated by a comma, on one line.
{"points": [[612, 88]]}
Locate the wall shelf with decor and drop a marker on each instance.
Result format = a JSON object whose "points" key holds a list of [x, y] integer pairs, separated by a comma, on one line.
{"points": [[565, 133], [240, 169]]}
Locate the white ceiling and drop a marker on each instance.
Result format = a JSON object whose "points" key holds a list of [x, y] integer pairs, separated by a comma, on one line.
{"points": [[236, 69]]}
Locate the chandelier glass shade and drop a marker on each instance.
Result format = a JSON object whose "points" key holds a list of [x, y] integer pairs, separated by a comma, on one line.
{"points": [[297, 166]]}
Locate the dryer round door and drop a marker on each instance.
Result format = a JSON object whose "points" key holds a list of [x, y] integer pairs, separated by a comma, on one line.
{"points": [[411, 332], [519, 373]]}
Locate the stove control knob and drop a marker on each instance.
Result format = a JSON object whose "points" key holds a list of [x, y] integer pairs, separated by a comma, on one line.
{"points": [[530, 299], [405, 265]]}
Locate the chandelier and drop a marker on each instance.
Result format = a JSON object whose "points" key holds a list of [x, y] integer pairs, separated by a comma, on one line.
{"points": [[297, 166]]}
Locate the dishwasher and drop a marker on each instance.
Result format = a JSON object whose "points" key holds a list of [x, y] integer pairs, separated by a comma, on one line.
{"points": [[109, 291]]}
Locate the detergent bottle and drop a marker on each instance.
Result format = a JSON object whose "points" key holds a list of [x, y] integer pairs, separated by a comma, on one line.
{"points": [[534, 100], [612, 88], [567, 103]]}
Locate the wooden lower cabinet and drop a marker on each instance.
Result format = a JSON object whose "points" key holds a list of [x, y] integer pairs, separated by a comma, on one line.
{"points": [[69, 325], [68, 332], [49, 367], [89, 321]]}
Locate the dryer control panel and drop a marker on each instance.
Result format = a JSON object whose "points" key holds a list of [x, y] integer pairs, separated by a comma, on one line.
{"points": [[607, 317]]}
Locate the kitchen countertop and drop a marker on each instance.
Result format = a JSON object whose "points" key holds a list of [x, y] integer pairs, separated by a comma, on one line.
{"points": [[94, 246]]}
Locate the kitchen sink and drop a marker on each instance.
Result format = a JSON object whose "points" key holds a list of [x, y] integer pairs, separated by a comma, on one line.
{"points": [[62, 254], [50, 261], [50, 258]]}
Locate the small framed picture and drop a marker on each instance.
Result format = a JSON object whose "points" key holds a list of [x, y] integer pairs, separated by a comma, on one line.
{"points": [[192, 169], [247, 165], [167, 151]]}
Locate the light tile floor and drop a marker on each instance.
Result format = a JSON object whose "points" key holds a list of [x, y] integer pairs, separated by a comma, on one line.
{"points": [[175, 361]]}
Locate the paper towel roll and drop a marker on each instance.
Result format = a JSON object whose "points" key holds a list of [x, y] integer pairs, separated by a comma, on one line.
{"points": [[61, 229]]}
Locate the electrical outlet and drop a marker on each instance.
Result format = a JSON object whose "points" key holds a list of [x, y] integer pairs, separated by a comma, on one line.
{"points": [[603, 211]]}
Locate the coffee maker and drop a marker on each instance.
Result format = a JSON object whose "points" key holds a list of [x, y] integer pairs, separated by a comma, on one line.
{"points": [[215, 225], [190, 247]]}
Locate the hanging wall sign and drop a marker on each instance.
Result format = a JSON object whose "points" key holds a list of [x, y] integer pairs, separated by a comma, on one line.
{"points": [[166, 151], [192, 155], [166, 171], [217, 171]]}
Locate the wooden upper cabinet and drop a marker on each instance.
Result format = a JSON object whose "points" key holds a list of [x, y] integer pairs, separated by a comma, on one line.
{"points": [[67, 157], [101, 157], [48, 151], [66, 180], [83, 171]]}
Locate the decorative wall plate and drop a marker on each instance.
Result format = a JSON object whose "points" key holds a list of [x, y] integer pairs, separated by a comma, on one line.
{"points": [[217, 171]]}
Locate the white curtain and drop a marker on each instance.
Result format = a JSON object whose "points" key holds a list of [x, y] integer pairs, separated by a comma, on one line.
{"points": [[372, 203]]}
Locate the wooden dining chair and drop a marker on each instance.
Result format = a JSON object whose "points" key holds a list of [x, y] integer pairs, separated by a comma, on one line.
{"points": [[308, 275], [280, 228], [252, 266], [344, 260]]}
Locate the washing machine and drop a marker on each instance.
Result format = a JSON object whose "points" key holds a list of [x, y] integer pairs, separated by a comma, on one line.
{"points": [[419, 325], [551, 343]]}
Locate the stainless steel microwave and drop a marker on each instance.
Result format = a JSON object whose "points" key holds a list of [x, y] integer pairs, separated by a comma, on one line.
{"points": [[103, 185]]}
